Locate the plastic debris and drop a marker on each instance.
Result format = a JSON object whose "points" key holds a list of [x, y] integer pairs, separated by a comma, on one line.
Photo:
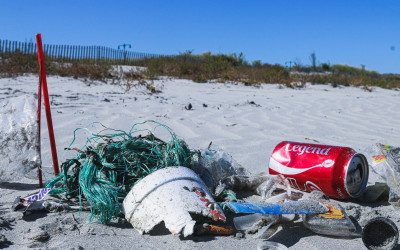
{"points": [[109, 165], [172, 195], [260, 224], [27, 201], [266, 188], [334, 223], [384, 161], [295, 207], [264, 245], [213, 230], [266, 231], [19, 144], [277, 198], [215, 165], [380, 233], [317, 195], [246, 222], [375, 192]]}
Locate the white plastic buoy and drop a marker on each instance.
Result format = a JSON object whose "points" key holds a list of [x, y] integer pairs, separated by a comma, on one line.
{"points": [[170, 195]]}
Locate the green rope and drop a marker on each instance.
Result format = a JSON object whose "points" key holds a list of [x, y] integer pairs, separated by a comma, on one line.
{"points": [[109, 164]]}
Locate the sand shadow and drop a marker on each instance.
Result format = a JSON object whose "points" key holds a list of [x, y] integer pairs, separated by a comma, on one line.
{"points": [[241, 195], [291, 234], [200, 238], [159, 230], [34, 216], [121, 224], [18, 186], [5, 244]]}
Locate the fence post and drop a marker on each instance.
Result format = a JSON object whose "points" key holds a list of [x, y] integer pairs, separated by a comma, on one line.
{"points": [[51, 51], [71, 52], [90, 54], [78, 52]]}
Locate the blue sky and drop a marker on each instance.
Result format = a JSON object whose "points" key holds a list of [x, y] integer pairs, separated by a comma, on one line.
{"points": [[339, 32]]}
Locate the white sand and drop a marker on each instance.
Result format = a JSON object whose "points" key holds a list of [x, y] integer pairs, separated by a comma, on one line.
{"points": [[247, 122]]}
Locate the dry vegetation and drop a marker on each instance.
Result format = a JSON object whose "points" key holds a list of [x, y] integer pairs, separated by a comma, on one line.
{"points": [[203, 68]]}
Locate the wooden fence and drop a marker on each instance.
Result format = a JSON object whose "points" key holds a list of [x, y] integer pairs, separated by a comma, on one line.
{"points": [[68, 53]]}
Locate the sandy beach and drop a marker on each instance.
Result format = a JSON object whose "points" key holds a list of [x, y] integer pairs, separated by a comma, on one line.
{"points": [[245, 121]]}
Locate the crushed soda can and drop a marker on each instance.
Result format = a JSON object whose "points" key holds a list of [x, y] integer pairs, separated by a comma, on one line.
{"points": [[339, 172]]}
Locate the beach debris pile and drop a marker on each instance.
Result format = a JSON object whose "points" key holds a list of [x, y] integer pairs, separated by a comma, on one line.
{"points": [[112, 162], [149, 180]]}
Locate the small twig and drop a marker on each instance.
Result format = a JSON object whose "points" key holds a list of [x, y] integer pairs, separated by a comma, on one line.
{"points": [[74, 218]]}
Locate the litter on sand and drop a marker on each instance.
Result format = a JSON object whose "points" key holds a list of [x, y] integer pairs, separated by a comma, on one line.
{"points": [[151, 181], [110, 164], [19, 144], [334, 223], [172, 195], [385, 163], [294, 207]]}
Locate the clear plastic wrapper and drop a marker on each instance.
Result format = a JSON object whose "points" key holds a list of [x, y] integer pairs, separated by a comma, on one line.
{"points": [[215, 165], [246, 222], [384, 161], [261, 225], [264, 245], [19, 141]]}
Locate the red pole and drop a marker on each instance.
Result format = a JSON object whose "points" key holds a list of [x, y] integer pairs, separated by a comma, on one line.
{"points": [[42, 73], [38, 123]]}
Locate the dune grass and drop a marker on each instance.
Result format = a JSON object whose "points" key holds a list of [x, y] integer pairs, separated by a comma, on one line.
{"points": [[204, 68]]}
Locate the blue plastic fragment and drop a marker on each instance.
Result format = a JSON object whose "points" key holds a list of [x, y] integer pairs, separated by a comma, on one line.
{"points": [[294, 207]]}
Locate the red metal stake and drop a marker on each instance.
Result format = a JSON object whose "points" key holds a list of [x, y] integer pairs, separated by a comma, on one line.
{"points": [[38, 123], [42, 73]]}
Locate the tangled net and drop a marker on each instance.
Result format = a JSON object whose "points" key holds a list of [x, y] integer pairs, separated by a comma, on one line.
{"points": [[110, 164]]}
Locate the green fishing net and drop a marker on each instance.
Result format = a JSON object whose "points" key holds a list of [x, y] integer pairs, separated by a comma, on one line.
{"points": [[112, 161]]}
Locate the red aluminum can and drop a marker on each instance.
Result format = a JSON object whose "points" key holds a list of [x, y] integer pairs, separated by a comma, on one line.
{"points": [[338, 172]]}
